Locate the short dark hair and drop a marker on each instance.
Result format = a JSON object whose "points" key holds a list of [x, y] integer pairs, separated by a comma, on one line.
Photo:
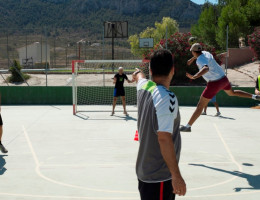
{"points": [[161, 62]]}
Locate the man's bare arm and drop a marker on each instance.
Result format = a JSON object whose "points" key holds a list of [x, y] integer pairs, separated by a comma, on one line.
{"points": [[190, 61], [257, 92], [168, 153], [138, 75], [130, 81], [203, 71]]}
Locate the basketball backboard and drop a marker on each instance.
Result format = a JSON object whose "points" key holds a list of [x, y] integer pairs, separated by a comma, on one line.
{"points": [[146, 42], [116, 29]]}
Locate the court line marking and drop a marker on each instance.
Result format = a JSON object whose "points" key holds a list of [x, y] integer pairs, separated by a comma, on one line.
{"points": [[235, 162], [67, 197], [232, 158], [119, 164], [39, 173], [97, 198]]}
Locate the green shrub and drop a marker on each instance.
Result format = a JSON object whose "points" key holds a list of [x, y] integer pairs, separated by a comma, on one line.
{"points": [[254, 42], [178, 44], [17, 76]]}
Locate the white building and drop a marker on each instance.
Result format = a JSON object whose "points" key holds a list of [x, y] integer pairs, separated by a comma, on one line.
{"points": [[34, 54]]}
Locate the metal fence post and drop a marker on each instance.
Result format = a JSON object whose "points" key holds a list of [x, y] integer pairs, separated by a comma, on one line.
{"points": [[166, 38], [7, 49], [227, 51], [46, 57]]}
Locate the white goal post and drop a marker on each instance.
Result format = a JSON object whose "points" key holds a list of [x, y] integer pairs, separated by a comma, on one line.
{"points": [[92, 83]]}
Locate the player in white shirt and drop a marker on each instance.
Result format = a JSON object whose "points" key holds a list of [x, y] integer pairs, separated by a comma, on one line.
{"points": [[216, 79]]}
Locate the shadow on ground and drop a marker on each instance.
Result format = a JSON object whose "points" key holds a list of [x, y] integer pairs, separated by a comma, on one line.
{"points": [[253, 180], [221, 117], [114, 117]]}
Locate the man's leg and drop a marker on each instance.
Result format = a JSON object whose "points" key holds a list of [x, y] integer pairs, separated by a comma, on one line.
{"points": [[217, 106], [124, 104], [203, 102], [156, 191], [114, 105], [205, 110], [2, 148], [238, 93], [1, 133]]}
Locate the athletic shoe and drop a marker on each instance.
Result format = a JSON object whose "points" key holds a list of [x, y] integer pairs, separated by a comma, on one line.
{"points": [[204, 113], [185, 129], [256, 97], [125, 113], [3, 149], [217, 114], [112, 113]]}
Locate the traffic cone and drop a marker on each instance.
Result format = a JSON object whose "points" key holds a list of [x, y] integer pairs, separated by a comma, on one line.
{"points": [[136, 136]]}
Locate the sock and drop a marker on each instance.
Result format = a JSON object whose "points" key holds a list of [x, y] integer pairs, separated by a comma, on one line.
{"points": [[254, 96], [188, 126]]}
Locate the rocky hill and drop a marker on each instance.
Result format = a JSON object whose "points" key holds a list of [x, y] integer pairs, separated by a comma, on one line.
{"points": [[90, 14]]}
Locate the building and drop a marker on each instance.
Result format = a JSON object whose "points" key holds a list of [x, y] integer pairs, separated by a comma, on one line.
{"points": [[34, 55]]}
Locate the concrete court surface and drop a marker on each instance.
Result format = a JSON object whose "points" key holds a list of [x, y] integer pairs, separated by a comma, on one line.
{"points": [[55, 155]]}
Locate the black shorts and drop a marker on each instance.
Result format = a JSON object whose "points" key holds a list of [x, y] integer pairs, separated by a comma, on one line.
{"points": [[1, 121], [119, 92], [156, 191]]}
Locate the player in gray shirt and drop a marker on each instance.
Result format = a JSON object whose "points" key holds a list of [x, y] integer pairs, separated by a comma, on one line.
{"points": [[158, 126]]}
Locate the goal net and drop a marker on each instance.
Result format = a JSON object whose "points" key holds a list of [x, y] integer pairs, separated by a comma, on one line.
{"points": [[93, 88]]}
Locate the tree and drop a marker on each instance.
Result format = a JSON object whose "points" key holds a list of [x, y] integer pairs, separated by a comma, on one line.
{"points": [[233, 16], [252, 11], [205, 30], [157, 33]]}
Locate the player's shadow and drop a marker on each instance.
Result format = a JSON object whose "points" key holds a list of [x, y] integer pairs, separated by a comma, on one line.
{"points": [[126, 118], [222, 117], [2, 164], [253, 180]]}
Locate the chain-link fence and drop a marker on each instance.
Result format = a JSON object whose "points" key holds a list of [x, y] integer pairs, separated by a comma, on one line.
{"points": [[46, 55]]}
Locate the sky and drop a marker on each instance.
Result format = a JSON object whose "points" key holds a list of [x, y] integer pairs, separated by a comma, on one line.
{"points": [[203, 1]]}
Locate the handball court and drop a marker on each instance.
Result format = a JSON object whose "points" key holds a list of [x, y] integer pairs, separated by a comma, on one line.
{"points": [[55, 155]]}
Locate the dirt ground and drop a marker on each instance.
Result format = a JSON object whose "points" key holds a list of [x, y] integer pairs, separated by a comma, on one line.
{"points": [[243, 76]]}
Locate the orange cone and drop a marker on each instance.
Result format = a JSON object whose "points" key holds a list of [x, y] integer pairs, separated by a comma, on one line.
{"points": [[136, 136]]}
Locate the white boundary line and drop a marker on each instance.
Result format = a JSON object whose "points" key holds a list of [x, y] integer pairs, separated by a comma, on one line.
{"points": [[37, 170], [232, 158], [118, 164], [39, 173]]}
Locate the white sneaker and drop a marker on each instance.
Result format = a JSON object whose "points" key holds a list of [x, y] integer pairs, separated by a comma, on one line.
{"points": [[217, 114], [256, 97], [204, 113]]}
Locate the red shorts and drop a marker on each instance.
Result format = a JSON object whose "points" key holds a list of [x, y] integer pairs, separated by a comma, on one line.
{"points": [[214, 87]]}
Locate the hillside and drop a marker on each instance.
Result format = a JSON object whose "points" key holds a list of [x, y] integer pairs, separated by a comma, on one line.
{"points": [[90, 14]]}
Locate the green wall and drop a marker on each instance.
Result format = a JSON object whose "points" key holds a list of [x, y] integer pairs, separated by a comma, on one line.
{"points": [[187, 96], [36, 95]]}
